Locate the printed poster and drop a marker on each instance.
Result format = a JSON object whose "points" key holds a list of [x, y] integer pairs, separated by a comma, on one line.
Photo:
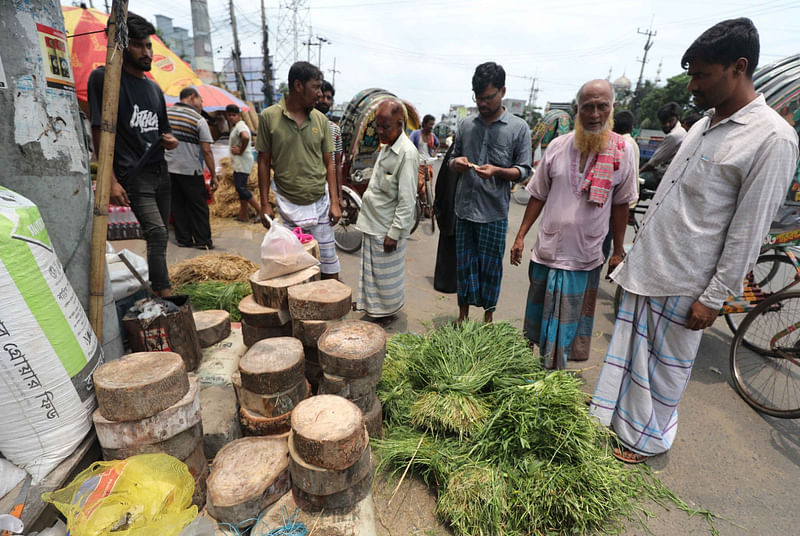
{"points": [[55, 56]]}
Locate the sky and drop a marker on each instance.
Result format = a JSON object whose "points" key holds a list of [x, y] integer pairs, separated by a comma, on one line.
{"points": [[425, 51]]}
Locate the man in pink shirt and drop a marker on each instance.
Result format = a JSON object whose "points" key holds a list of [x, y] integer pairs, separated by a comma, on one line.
{"points": [[586, 179]]}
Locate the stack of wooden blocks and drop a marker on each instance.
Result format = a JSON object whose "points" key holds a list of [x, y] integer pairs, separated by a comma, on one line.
{"points": [[265, 313], [314, 307], [329, 455], [269, 383], [351, 355], [147, 403]]}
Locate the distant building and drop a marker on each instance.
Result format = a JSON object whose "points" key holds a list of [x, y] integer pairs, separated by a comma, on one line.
{"points": [[253, 73], [515, 106], [622, 89], [176, 38]]}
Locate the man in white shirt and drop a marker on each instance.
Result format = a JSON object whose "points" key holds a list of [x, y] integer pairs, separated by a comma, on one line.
{"points": [[654, 169], [700, 237], [386, 217], [241, 161]]}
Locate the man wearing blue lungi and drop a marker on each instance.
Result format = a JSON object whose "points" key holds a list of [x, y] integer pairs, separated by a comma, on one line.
{"points": [[492, 150]]}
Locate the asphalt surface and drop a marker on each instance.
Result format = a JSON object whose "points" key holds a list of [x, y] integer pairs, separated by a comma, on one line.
{"points": [[727, 458]]}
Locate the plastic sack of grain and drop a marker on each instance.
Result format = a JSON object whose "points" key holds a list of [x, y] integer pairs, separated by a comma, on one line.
{"points": [[48, 350]]}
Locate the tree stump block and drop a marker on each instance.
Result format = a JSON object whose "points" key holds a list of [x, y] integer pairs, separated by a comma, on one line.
{"points": [[349, 388], [309, 331], [373, 419], [139, 385], [328, 431], [274, 292], [353, 349], [320, 481], [272, 405], [272, 366], [248, 475], [327, 299], [259, 316], [163, 425], [212, 326], [179, 446], [251, 335], [336, 503]]}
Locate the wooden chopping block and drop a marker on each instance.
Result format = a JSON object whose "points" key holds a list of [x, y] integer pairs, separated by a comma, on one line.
{"points": [[337, 503], [258, 316], [251, 335], [168, 423], [327, 299], [328, 431], [353, 349], [200, 489], [196, 462], [248, 475], [272, 366], [320, 481], [180, 446], [309, 331], [273, 405], [274, 292], [365, 402], [254, 424], [212, 326], [373, 419], [312, 248], [139, 385], [350, 388]]}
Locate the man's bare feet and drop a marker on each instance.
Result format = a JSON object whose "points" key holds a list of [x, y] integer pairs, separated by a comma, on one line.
{"points": [[488, 316], [463, 313], [628, 456]]}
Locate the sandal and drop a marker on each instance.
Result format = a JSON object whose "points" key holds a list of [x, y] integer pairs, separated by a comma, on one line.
{"points": [[628, 456]]}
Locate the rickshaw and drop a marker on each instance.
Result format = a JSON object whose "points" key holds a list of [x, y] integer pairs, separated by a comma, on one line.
{"points": [[765, 319], [360, 142]]}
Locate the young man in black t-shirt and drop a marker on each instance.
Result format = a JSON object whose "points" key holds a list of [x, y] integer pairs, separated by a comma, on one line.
{"points": [[140, 178]]}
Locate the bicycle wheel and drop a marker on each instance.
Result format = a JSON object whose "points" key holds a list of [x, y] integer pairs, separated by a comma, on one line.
{"points": [[771, 273], [770, 381], [429, 229], [345, 234], [520, 194], [417, 216]]}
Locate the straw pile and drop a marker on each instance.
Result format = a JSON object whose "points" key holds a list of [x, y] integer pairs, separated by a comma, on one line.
{"points": [[226, 200], [212, 267]]}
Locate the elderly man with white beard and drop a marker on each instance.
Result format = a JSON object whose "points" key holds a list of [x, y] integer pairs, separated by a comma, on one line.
{"points": [[585, 181]]}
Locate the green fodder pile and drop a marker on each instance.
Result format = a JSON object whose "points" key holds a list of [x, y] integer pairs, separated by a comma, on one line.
{"points": [[510, 448], [216, 295]]}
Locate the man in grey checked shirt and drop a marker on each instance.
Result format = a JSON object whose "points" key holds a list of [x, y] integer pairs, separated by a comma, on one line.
{"points": [[700, 237]]}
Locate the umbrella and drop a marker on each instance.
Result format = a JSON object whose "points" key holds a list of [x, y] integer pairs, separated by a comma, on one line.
{"points": [[214, 98], [87, 43]]}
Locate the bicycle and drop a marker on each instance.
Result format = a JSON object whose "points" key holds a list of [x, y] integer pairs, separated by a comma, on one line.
{"points": [[424, 204]]}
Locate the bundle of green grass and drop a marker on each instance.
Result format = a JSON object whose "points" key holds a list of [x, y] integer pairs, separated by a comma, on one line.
{"points": [[222, 295], [510, 448]]}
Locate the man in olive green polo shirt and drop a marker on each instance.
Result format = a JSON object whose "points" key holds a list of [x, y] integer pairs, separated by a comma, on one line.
{"points": [[294, 141]]}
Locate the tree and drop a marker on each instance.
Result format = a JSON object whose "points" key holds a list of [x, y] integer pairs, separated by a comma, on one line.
{"points": [[651, 98]]}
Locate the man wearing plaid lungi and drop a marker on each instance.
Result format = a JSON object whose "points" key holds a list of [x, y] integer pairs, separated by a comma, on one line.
{"points": [[492, 150]]}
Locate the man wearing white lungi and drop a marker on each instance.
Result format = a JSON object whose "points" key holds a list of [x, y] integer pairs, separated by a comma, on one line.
{"points": [[700, 237], [386, 217]]}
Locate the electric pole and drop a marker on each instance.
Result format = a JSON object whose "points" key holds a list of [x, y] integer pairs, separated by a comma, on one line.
{"points": [[648, 44], [267, 86], [334, 72], [237, 56]]}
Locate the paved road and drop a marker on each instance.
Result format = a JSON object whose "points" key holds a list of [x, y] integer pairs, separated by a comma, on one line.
{"points": [[741, 465]]}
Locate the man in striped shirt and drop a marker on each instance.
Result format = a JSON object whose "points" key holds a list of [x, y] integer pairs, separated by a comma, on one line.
{"points": [[324, 105], [185, 164]]}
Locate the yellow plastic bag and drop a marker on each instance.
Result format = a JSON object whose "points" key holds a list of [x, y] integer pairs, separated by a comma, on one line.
{"points": [[144, 495]]}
